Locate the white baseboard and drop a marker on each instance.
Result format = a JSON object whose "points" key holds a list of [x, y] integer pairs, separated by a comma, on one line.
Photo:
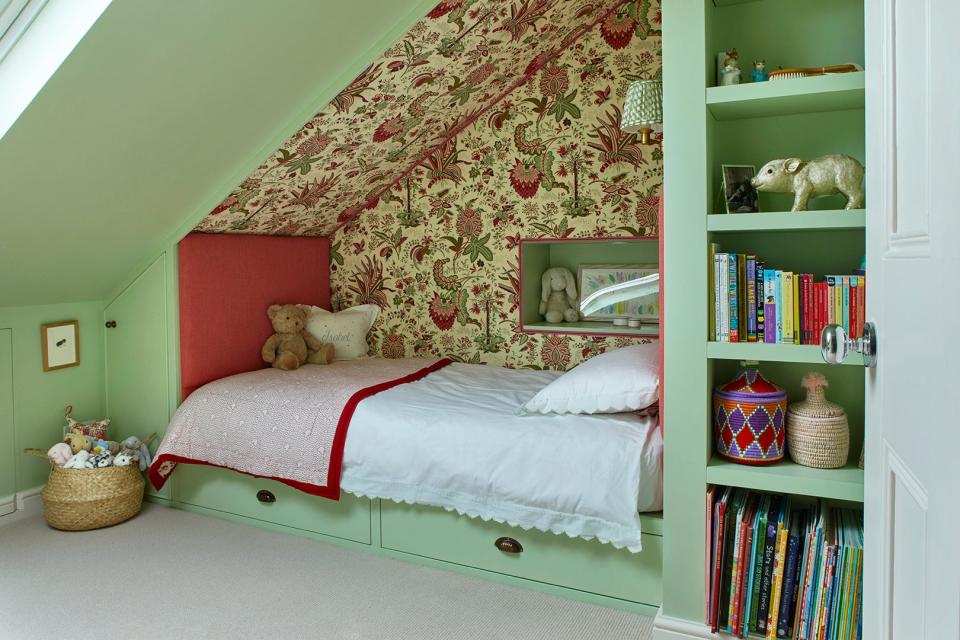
{"points": [[25, 504], [668, 628]]}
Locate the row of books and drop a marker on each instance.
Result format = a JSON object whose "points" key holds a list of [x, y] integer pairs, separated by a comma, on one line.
{"points": [[754, 302], [779, 571]]}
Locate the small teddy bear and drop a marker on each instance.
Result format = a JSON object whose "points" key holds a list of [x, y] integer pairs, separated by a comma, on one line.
{"points": [[291, 345], [78, 442]]}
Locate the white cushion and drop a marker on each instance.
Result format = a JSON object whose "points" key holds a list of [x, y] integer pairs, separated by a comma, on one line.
{"points": [[346, 330], [626, 379]]}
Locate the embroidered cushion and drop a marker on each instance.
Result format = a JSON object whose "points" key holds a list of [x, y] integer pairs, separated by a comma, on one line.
{"points": [[346, 330], [626, 379]]}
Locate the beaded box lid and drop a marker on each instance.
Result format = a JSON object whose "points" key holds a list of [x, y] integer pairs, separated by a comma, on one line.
{"points": [[750, 384]]}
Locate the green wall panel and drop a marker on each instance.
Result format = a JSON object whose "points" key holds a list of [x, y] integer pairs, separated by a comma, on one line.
{"points": [[39, 397], [8, 469]]}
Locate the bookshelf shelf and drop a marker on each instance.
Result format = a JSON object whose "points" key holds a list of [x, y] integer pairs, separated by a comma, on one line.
{"points": [[839, 92], [591, 328], [845, 483], [764, 352], [833, 220]]}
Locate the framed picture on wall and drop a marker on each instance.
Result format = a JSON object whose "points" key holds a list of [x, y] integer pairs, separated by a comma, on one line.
{"points": [[738, 193], [594, 277], [61, 345]]}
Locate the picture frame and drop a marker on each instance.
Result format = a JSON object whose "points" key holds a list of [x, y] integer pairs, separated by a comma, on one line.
{"points": [[739, 196], [593, 277], [60, 343]]}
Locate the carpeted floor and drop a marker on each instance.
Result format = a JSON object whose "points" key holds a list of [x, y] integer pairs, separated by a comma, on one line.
{"points": [[173, 574]]}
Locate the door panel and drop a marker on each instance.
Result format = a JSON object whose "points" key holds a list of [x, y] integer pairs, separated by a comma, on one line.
{"points": [[8, 477], [137, 376], [912, 560]]}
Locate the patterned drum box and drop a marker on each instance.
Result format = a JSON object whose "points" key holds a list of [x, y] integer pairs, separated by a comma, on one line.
{"points": [[749, 413]]}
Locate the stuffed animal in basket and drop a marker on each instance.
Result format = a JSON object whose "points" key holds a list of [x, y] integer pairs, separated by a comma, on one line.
{"points": [[136, 447], [60, 453], [558, 297], [126, 458], [79, 460], [78, 442], [101, 460], [291, 345]]}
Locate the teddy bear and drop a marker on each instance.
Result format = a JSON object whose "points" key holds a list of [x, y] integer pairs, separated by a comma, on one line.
{"points": [[291, 345], [78, 442], [558, 301]]}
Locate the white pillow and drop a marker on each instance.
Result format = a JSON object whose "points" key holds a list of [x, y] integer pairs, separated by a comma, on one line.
{"points": [[346, 330], [627, 379]]}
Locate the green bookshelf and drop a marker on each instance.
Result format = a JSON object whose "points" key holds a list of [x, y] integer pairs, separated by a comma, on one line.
{"points": [[834, 220], [845, 483], [763, 352], [706, 126], [817, 94]]}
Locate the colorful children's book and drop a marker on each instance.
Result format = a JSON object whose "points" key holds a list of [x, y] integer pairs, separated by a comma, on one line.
{"points": [[779, 304], [786, 289], [761, 268], [769, 305], [795, 289], [751, 298], [723, 275], [734, 307]]}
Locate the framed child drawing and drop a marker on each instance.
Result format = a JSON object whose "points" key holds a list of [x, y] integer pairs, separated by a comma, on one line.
{"points": [[594, 277], [61, 345]]}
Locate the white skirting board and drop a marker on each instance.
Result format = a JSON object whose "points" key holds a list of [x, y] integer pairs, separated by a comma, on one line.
{"points": [[24, 504], [667, 628]]}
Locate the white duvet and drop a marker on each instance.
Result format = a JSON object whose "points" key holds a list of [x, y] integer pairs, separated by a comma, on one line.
{"points": [[454, 440]]}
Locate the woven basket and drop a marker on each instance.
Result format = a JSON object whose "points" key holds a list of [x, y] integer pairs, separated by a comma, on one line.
{"points": [[817, 431], [84, 499]]}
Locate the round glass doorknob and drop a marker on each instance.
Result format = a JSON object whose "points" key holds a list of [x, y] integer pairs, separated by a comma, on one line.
{"points": [[834, 344]]}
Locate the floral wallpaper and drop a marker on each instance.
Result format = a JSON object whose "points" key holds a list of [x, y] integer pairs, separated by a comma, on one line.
{"points": [[490, 121]]}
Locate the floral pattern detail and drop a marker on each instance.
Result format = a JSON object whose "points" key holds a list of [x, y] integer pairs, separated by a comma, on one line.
{"points": [[490, 121]]}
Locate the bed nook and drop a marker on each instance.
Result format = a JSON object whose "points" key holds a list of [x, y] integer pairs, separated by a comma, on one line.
{"points": [[562, 485]]}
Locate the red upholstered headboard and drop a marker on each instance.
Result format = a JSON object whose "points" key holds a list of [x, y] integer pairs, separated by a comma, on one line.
{"points": [[226, 284]]}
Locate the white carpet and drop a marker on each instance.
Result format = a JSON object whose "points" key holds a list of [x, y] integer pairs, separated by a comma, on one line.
{"points": [[173, 574]]}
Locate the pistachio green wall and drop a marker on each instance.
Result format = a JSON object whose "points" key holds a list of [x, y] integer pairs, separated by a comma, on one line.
{"points": [[39, 398]]}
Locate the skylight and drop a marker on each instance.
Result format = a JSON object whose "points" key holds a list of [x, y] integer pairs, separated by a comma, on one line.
{"points": [[36, 36]]}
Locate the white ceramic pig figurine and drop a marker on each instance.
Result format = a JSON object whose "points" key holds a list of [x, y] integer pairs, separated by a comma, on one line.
{"points": [[822, 176]]}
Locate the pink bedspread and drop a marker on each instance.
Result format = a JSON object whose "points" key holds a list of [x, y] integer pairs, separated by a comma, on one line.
{"points": [[285, 425]]}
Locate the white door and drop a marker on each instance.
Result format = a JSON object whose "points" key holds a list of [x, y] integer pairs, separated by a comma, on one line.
{"points": [[912, 506]]}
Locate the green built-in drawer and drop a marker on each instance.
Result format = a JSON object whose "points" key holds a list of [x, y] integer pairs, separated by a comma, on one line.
{"points": [[546, 557], [236, 493]]}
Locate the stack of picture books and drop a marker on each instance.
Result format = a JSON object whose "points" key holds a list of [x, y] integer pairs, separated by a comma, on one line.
{"points": [[778, 570], [754, 302]]}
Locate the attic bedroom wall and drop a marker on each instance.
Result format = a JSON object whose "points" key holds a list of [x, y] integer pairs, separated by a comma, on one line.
{"points": [[486, 123], [439, 253]]}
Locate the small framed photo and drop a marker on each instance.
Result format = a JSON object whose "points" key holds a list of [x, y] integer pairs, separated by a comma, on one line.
{"points": [[593, 277], [61, 345], [738, 193]]}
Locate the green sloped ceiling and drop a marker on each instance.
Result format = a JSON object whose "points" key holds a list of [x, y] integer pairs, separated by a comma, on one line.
{"points": [[160, 110]]}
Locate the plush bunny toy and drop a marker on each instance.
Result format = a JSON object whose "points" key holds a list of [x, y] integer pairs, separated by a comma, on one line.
{"points": [[559, 296]]}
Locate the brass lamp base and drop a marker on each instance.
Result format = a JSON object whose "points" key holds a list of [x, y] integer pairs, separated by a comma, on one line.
{"points": [[645, 135]]}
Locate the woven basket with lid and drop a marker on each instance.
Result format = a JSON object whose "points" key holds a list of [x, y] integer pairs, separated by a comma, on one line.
{"points": [[817, 431]]}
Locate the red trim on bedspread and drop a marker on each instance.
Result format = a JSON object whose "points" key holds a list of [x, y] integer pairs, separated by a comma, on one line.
{"points": [[332, 488]]}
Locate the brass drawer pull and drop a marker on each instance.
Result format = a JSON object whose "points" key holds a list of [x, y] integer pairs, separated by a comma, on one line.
{"points": [[508, 545], [266, 497]]}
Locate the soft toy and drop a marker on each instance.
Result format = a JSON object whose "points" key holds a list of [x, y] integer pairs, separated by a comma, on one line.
{"points": [[291, 345], [78, 460], [100, 446], [125, 458], [133, 445], [96, 429], [60, 453], [101, 460], [558, 300], [78, 442]]}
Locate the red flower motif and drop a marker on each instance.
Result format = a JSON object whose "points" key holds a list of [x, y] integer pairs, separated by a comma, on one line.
{"points": [[469, 223], [481, 73], [313, 145], [393, 346], [223, 206], [617, 30], [525, 179], [554, 81], [444, 8], [555, 353], [443, 312], [388, 129]]}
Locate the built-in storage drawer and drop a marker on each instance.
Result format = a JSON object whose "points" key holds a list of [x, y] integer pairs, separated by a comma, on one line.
{"points": [[236, 493], [545, 557]]}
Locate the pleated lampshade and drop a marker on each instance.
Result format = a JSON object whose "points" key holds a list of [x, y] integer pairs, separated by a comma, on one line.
{"points": [[643, 108]]}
